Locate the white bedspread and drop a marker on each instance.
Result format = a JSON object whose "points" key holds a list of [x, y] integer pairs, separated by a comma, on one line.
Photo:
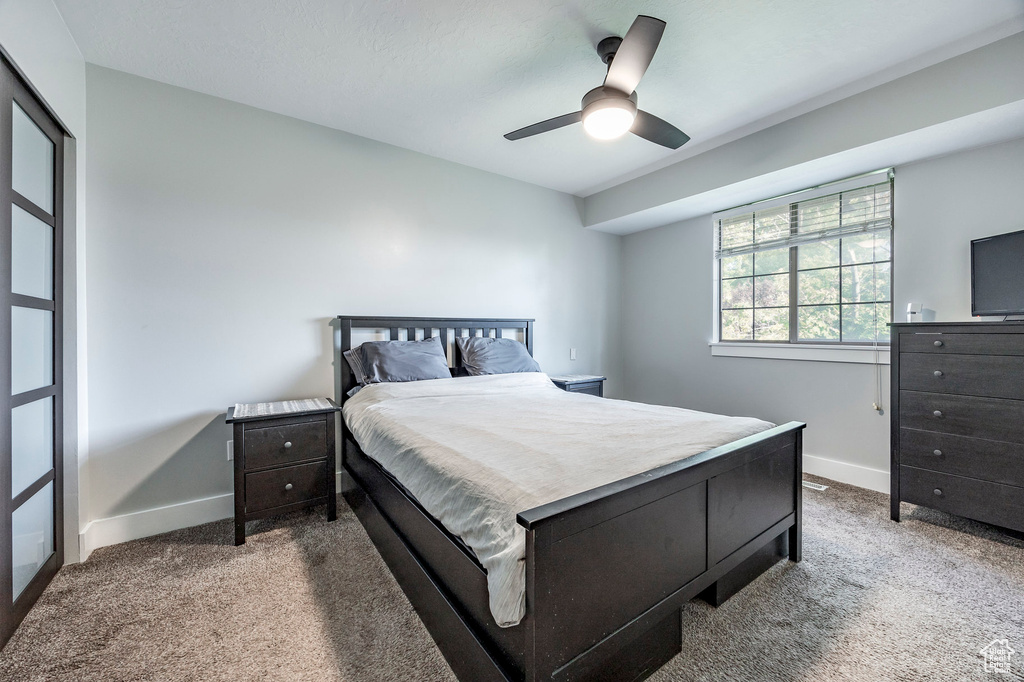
{"points": [[475, 451]]}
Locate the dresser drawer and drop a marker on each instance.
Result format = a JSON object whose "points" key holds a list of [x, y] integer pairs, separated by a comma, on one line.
{"points": [[967, 344], [287, 485], [991, 418], [988, 460], [275, 445], [994, 376], [1001, 505]]}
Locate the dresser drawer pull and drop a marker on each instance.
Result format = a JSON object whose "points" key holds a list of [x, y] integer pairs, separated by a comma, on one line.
{"points": [[287, 445], [937, 372], [937, 453], [937, 413], [938, 492], [288, 486], [938, 344]]}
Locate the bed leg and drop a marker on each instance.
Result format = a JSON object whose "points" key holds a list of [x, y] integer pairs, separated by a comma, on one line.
{"points": [[332, 468], [796, 532], [747, 572]]}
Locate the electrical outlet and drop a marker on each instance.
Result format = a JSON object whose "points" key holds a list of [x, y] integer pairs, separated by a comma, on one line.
{"points": [[572, 353], [231, 450]]}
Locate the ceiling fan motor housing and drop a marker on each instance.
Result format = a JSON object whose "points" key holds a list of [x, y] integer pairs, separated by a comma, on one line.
{"points": [[601, 97]]}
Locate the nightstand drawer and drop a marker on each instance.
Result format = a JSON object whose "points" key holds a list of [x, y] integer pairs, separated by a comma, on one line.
{"points": [[288, 485], [591, 388], [992, 376], [275, 445]]}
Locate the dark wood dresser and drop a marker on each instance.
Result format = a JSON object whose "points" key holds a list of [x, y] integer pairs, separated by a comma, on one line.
{"points": [[284, 461], [958, 419]]}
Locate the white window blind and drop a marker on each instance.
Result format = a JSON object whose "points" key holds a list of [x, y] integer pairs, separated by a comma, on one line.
{"points": [[854, 206], [810, 267]]}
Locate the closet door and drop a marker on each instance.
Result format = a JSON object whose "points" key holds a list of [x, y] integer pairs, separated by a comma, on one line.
{"points": [[31, 499]]}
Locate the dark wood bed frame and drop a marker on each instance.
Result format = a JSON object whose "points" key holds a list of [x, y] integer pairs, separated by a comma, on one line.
{"points": [[607, 570]]}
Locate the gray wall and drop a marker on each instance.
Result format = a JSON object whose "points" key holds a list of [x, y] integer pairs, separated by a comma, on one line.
{"points": [[940, 205], [223, 238]]}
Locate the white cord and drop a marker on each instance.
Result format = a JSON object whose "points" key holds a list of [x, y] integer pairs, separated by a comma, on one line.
{"points": [[877, 405], [878, 379]]}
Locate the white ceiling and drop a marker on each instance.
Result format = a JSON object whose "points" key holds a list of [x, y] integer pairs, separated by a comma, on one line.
{"points": [[449, 77]]}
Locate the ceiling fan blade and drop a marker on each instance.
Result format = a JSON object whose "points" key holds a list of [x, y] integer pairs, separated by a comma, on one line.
{"points": [[650, 127], [545, 126], [634, 54]]}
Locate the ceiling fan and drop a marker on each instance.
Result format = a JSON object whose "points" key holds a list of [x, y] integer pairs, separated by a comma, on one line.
{"points": [[609, 111]]}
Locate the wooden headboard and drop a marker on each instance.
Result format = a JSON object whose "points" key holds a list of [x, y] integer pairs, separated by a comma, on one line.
{"points": [[446, 328]]}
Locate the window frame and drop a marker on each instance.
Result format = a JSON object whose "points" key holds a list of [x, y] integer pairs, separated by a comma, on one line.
{"points": [[793, 303]]}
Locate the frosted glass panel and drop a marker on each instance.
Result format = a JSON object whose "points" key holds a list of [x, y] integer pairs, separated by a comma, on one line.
{"points": [[32, 161], [31, 255], [31, 349], [31, 443], [31, 537]]}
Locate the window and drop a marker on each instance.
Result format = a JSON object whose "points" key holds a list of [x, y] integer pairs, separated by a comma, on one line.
{"points": [[812, 267]]}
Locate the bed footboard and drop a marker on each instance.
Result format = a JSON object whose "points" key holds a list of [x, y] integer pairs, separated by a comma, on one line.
{"points": [[608, 569]]}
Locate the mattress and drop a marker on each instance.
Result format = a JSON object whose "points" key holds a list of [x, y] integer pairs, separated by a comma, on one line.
{"points": [[475, 451]]}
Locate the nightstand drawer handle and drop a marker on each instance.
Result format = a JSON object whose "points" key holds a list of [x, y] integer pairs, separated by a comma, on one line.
{"points": [[937, 372], [937, 453], [938, 492], [937, 413], [287, 444], [938, 344], [288, 486]]}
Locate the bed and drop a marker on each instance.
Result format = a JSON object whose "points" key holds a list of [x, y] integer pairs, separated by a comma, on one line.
{"points": [[606, 569]]}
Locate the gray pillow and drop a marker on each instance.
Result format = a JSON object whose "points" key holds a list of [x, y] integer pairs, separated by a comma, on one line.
{"points": [[379, 361], [482, 355], [355, 360]]}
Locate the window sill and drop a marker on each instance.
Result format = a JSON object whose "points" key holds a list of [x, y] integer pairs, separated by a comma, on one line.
{"points": [[865, 355]]}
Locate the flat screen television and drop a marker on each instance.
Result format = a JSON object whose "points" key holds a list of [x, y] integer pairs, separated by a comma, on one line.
{"points": [[997, 275]]}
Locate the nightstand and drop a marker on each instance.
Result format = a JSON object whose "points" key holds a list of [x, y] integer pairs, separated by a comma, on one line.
{"points": [[581, 383], [284, 459]]}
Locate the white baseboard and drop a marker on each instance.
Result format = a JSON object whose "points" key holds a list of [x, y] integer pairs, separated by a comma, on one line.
{"points": [[116, 529], [141, 524], [854, 474]]}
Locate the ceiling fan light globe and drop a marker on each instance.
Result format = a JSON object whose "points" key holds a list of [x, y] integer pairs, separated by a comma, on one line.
{"points": [[609, 119]]}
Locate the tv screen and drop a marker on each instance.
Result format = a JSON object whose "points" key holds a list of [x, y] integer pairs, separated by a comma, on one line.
{"points": [[997, 275]]}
